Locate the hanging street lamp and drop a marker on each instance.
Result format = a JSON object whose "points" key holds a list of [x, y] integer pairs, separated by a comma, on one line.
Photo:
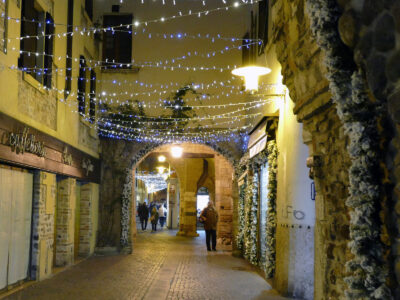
{"points": [[251, 75]]}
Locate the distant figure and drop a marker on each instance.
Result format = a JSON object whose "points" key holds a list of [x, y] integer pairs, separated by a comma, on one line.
{"points": [[162, 215], [143, 213], [154, 218], [151, 205], [209, 215]]}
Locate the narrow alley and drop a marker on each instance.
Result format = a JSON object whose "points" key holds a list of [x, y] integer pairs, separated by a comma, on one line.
{"points": [[162, 266]]}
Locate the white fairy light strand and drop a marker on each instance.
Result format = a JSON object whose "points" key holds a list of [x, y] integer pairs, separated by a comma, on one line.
{"points": [[107, 64], [91, 30]]}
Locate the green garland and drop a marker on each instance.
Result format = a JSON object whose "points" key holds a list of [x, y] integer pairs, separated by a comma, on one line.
{"points": [[251, 208], [270, 237], [248, 208], [359, 117], [240, 236]]}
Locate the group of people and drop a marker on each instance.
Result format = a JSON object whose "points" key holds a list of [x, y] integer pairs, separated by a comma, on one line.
{"points": [[156, 214], [209, 217]]}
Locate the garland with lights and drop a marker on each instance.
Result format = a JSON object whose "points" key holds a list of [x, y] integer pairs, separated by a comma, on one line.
{"points": [[251, 209], [248, 207], [359, 117], [241, 213], [270, 226]]}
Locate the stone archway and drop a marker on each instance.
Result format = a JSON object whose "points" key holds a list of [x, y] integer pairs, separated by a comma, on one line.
{"points": [[119, 159], [327, 81]]}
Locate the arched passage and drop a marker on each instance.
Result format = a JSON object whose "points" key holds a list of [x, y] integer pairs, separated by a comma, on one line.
{"points": [[117, 204]]}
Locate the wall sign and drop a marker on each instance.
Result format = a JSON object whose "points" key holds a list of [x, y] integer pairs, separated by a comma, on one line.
{"points": [[258, 132], [87, 165], [67, 157], [23, 141], [257, 148]]}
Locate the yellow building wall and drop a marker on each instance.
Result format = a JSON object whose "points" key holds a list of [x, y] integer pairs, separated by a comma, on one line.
{"points": [[69, 125]]}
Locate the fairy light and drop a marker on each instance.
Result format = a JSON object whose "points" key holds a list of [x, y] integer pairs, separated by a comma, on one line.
{"points": [[91, 30], [149, 64]]}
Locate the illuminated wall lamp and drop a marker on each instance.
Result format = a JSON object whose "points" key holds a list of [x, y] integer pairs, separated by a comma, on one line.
{"points": [[176, 151], [162, 158], [161, 170], [251, 75]]}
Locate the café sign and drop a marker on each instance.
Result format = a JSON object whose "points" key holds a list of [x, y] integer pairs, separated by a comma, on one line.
{"points": [[21, 142]]}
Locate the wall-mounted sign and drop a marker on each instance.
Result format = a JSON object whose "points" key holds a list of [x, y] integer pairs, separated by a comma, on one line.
{"points": [[258, 132], [87, 165], [23, 141], [258, 147], [66, 157]]}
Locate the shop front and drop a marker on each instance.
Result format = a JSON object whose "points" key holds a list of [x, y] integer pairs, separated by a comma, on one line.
{"points": [[48, 203]]}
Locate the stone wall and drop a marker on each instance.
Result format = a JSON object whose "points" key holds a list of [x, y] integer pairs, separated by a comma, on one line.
{"points": [[224, 199], [303, 73], [65, 223], [40, 105], [88, 136], [88, 219], [371, 29], [44, 201], [120, 157]]}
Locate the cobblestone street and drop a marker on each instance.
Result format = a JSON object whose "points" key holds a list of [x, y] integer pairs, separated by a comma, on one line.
{"points": [[162, 266]]}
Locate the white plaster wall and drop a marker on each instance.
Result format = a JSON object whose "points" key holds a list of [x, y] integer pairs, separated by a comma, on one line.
{"points": [[295, 209]]}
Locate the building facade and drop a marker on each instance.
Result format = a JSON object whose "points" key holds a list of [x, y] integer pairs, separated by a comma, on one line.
{"points": [[49, 154]]}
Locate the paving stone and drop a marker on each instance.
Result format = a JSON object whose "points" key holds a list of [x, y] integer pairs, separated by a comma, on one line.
{"points": [[162, 266]]}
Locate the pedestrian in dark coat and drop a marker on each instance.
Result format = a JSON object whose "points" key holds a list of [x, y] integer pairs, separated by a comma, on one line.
{"points": [[209, 216], [143, 212], [154, 218]]}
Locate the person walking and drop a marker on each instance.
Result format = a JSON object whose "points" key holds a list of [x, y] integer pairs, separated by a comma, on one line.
{"points": [[209, 216], [154, 219], [143, 212], [161, 215]]}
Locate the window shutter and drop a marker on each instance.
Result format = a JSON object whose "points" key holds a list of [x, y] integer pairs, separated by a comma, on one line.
{"points": [[49, 50], [92, 105], [82, 86], [28, 12]]}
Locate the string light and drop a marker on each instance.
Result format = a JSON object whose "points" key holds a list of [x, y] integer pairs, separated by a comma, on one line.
{"points": [[147, 64], [91, 30]]}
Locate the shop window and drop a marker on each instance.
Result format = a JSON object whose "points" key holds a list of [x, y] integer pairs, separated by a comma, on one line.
{"points": [[38, 66], [92, 104], [82, 86], [70, 24], [89, 8], [263, 10], [117, 44]]}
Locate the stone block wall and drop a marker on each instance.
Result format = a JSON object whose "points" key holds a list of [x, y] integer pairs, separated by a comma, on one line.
{"points": [[303, 73], [44, 199], [371, 29], [65, 223], [40, 106], [88, 219], [224, 199]]}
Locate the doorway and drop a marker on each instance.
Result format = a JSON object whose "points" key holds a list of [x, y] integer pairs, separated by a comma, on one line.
{"points": [[203, 197], [15, 225]]}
